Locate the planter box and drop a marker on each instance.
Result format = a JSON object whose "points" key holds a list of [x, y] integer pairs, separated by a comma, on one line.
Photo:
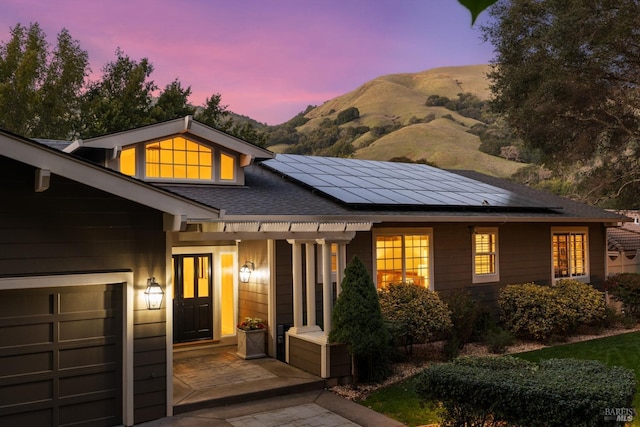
{"points": [[251, 344]]}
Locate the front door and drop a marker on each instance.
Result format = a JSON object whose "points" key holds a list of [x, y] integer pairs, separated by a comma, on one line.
{"points": [[192, 302]]}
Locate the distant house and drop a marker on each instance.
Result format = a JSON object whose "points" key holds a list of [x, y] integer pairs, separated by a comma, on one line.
{"points": [[189, 206], [624, 246]]}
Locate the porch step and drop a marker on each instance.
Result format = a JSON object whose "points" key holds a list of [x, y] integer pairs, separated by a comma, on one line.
{"points": [[254, 392]]}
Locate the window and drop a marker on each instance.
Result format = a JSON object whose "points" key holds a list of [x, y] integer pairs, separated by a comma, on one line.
{"points": [[485, 255], [570, 254], [227, 167], [128, 161], [334, 262], [403, 258], [178, 158]]}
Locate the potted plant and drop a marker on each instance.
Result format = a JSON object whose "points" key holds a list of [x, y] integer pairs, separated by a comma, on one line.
{"points": [[251, 338]]}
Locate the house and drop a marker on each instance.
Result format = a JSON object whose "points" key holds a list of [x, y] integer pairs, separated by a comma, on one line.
{"points": [[624, 246], [89, 225]]}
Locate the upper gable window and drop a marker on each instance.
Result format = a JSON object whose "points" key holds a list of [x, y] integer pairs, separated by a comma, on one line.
{"points": [[128, 161], [178, 158], [227, 167]]}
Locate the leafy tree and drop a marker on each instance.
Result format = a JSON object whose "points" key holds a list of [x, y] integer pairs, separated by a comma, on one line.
{"points": [[357, 321], [172, 103], [39, 89], [121, 100], [566, 79], [215, 114]]}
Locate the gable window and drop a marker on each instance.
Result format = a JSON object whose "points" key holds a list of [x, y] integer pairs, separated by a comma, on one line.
{"points": [[227, 167], [128, 161], [485, 255], [570, 253], [403, 257], [178, 158]]}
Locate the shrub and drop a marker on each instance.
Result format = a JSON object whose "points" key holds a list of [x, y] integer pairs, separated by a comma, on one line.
{"points": [[464, 316], [498, 340], [347, 115], [510, 391], [357, 322], [625, 287], [415, 313], [544, 312]]}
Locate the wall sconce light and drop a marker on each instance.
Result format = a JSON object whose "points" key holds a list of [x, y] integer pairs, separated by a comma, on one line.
{"points": [[153, 295], [245, 271]]}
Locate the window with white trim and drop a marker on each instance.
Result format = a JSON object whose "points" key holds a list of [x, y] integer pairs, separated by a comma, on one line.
{"points": [[178, 158], [570, 252], [485, 255], [403, 257]]}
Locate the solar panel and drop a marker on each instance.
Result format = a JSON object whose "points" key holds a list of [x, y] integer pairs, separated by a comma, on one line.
{"points": [[371, 182]]}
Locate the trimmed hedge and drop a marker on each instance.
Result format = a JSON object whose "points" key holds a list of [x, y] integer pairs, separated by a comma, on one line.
{"points": [[541, 312], [557, 392]]}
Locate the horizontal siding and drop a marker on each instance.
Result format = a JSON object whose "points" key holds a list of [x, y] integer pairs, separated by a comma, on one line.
{"points": [[71, 228], [305, 355]]}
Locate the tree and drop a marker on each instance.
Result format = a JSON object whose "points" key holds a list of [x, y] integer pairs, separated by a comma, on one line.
{"points": [[172, 103], [215, 114], [39, 89], [121, 100], [566, 78], [357, 321]]}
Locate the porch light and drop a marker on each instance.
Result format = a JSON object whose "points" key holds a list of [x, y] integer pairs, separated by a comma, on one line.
{"points": [[153, 295], [245, 271]]}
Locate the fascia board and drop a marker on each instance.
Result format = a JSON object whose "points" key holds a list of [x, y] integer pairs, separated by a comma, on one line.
{"points": [[133, 136], [185, 125], [114, 183]]}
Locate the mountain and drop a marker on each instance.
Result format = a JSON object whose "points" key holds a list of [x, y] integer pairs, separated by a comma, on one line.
{"points": [[396, 122]]}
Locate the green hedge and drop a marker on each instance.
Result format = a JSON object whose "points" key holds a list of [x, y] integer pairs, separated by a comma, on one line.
{"points": [[557, 392], [541, 312]]}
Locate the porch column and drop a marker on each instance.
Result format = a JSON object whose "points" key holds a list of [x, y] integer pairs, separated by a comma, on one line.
{"points": [[311, 283]]}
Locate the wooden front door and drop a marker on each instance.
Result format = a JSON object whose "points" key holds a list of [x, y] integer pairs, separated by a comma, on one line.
{"points": [[192, 302]]}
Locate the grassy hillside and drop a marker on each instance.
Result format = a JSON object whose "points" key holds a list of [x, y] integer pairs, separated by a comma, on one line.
{"points": [[443, 143], [396, 122]]}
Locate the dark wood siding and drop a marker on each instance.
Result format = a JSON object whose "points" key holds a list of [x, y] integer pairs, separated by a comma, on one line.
{"points": [[284, 283], [339, 361], [74, 228]]}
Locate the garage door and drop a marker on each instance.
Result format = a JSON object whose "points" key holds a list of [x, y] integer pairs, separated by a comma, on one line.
{"points": [[61, 356]]}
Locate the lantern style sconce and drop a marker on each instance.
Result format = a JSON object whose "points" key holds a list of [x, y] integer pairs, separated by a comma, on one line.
{"points": [[153, 295], [245, 271]]}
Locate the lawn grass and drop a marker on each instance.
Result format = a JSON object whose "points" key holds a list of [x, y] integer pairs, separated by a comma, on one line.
{"points": [[400, 401]]}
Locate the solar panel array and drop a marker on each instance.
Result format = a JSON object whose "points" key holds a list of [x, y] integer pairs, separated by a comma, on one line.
{"points": [[370, 182]]}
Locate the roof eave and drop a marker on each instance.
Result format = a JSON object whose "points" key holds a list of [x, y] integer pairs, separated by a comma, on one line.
{"points": [[75, 169]]}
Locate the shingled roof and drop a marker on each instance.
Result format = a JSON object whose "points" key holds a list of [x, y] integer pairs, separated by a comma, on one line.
{"points": [[271, 194]]}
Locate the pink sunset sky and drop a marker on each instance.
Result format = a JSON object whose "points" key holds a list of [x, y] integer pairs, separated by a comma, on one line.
{"points": [[268, 59]]}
